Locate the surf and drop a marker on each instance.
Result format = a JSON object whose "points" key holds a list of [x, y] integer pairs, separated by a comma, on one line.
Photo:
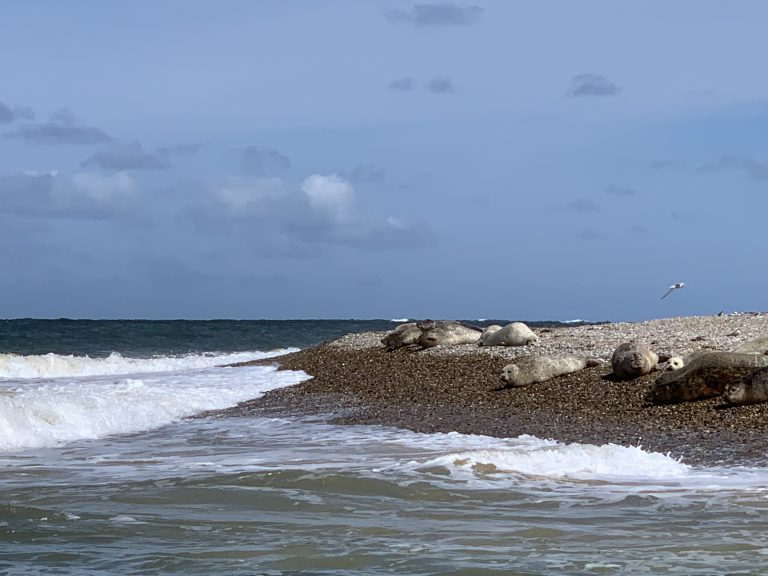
{"points": [[43, 413], [15, 366]]}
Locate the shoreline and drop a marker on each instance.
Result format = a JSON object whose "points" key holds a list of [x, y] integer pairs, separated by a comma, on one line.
{"points": [[458, 388]]}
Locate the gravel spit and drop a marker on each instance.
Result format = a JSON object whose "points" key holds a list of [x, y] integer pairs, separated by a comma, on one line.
{"points": [[458, 388]]}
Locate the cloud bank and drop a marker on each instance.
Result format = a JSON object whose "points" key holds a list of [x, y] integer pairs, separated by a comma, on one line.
{"points": [[9, 114], [437, 14], [255, 160], [62, 128], [405, 84], [615, 190], [592, 85], [126, 157], [752, 169], [441, 85], [85, 195], [365, 174]]}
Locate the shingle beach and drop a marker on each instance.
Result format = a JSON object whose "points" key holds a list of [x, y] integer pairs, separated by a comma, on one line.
{"points": [[355, 380]]}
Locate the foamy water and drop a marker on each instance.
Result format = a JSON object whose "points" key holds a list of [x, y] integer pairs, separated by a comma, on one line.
{"points": [[535, 457], [111, 459], [269, 445], [282, 495], [124, 396], [65, 408], [101, 450], [14, 366]]}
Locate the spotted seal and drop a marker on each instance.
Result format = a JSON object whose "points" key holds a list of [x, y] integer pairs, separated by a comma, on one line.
{"points": [[705, 376]]}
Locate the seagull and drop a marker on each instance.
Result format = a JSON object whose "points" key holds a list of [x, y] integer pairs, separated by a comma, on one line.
{"points": [[673, 288]]}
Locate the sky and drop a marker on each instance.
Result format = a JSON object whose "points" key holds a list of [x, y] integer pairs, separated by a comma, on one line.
{"points": [[382, 159]]}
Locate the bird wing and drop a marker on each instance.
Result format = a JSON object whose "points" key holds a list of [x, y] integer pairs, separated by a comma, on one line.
{"points": [[671, 289]]}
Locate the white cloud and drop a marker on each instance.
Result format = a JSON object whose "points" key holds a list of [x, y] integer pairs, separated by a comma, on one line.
{"points": [[330, 194], [321, 211]]}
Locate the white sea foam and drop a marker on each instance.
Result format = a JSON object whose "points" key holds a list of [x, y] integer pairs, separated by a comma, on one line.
{"points": [[573, 461], [14, 366], [248, 444], [487, 462], [467, 456], [37, 414], [400, 320]]}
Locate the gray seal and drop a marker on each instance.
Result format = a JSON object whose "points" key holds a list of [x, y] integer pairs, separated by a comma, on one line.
{"points": [[403, 335], [444, 333], [633, 359], [751, 389], [705, 376], [757, 346]]}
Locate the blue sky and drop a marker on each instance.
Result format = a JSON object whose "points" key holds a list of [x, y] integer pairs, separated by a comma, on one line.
{"points": [[340, 159]]}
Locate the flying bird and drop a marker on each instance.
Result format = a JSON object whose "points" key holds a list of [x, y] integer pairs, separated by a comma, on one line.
{"points": [[673, 288]]}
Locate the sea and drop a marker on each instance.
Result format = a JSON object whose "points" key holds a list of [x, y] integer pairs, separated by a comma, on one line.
{"points": [[113, 461]]}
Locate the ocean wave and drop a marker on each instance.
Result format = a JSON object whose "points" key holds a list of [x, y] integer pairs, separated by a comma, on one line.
{"points": [[482, 462], [14, 366], [38, 414], [571, 461], [491, 460]]}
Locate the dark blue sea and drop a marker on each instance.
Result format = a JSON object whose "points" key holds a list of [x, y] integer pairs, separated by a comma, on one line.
{"points": [[106, 468]]}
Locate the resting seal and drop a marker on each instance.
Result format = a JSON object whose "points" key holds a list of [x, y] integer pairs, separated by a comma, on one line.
{"points": [[442, 333], [633, 359], [540, 369], [705, 376], [751, 389], [757, 346], [514, 334], [403, 335]]}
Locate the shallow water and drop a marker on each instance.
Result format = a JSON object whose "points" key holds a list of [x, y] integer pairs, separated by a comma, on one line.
{"points": [[287, 496], [103, 470]]}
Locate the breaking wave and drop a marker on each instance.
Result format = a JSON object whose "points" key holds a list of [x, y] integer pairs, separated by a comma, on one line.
{"points": [[14, 366]]}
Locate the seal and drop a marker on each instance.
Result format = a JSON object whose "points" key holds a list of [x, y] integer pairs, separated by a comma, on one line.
{"points": [[514, 334], [403, 335], [705, 376], [671, 363], [444, 333], [532, 369], [757, 346], [633, 359], [751, 389]]}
